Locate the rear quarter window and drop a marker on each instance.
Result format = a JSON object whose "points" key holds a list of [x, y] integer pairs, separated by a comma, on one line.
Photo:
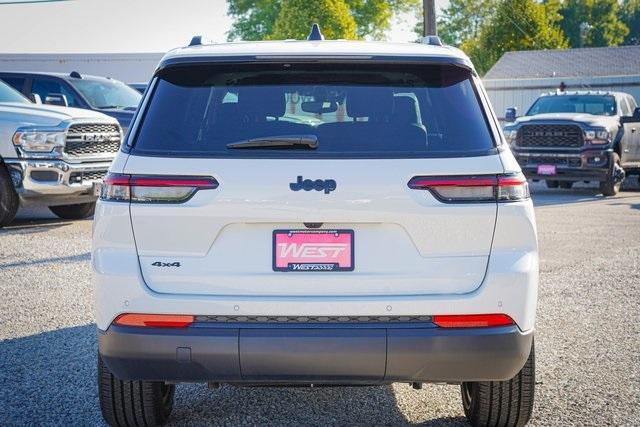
{"points": [[354, 110]]}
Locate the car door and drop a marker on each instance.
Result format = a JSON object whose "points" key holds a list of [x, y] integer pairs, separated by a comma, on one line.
{"points": [[626, 142], [633, 134], [44, 86]]}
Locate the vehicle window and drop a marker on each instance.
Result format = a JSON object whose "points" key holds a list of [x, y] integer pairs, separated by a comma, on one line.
{"points": [[600, 105], [44, 87], [107, 94], [15, 82], [9, 94], [353, 110], [624, 107]]}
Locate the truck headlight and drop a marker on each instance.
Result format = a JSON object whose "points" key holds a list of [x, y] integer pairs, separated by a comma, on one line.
{"points": [[597, 136], [38, 141]]}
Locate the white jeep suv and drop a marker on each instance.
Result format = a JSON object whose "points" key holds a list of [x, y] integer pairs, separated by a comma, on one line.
{"points": [[315, 212]]}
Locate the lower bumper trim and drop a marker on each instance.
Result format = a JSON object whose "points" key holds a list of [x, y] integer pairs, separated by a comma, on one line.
{"points": [[305, 354]]}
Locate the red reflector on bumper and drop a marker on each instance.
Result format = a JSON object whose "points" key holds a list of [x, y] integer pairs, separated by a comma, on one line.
{"points": [[154, 320], [472, 320]]}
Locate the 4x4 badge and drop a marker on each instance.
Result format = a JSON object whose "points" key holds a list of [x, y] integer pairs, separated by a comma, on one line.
{"points": [[326, 185]]}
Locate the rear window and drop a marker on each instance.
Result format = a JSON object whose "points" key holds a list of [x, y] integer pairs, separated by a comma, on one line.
{"points": [[352, 110]]}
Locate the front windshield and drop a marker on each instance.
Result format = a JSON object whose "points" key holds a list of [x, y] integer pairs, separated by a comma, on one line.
{"points": [[599, 105], [104, 94], [8, 94]]}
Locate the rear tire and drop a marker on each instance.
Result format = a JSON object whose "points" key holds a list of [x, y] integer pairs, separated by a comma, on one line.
{"points": [[566, 184], [612, 185], [133, 403], [551, 183], [80, 211], [501, 403], [9, 200]]}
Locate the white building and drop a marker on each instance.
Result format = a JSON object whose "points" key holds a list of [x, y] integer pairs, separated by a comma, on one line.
{"points": [[127, 67], [518, 78]]}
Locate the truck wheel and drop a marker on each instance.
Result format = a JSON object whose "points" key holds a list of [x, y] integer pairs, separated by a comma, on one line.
{"points": [[611, 186], [566, 184], [133, 403], [551, 183], [81, 211], [9, 200], [501, 403]]}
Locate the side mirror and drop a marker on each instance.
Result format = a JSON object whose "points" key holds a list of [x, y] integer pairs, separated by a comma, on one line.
{"points": [[510, 114], [632, 119], [56, 99], [35, 98]]}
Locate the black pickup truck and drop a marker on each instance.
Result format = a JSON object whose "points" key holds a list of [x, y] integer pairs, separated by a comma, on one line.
{"points": [[567, 137]]}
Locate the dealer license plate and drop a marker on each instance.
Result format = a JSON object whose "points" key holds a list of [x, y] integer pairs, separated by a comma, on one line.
{"points": [[313, 250], [546, 169]]}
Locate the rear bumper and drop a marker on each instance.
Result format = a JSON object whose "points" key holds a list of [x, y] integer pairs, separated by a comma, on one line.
{"points": [[585, 165], [342, 353]]}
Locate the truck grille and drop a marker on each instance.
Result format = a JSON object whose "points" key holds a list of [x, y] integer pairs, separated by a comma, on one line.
{"points": [[573, 162], [550, 136], [89, 139], [78, 177]]}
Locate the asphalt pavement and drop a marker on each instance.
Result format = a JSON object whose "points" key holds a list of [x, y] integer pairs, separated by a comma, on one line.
{"points": [[587, 338]]}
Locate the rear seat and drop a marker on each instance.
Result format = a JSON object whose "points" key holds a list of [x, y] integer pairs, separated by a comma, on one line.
{"points": [[381, 125], [258, 104]]}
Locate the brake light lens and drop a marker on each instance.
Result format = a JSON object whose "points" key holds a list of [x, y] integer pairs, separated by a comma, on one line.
{"points": [[153, 189], [474, 189], [154, 320], [472, 320]]}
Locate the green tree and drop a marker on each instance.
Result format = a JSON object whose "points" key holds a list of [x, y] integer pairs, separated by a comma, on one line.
{"points": [[592, 23], [296, 16], [373, 17], [630, 16], [252, 19], [515, 25], [255, 20], [461, 20]]}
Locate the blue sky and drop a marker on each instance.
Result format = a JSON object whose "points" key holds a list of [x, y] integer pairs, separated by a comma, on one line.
{"points": [[124, 25]]}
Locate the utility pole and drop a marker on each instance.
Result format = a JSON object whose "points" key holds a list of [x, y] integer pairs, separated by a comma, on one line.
{"points": [[429, 10]]}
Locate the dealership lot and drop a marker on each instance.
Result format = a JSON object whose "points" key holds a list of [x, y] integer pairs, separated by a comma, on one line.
{"points": [[588, 332]]}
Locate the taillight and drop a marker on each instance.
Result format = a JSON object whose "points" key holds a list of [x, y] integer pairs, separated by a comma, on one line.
{"points": [[154, 320], [472, 320], [473, 189], [153, 189]]}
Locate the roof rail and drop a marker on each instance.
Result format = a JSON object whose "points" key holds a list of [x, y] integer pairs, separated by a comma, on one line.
{"points": [[315, 33], [430, 40]]}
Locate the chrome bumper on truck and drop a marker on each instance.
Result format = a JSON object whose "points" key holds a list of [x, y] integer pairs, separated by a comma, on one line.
{"points": [[319, 353], [56, 181]]}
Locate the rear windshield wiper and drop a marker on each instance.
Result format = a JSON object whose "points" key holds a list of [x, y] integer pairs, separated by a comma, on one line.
{"points": [[309, 141]]}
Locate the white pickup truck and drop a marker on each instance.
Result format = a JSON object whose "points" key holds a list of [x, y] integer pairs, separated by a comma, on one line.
{"points": [[53, 156]]}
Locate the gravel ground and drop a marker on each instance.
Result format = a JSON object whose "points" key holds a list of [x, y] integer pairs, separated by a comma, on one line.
{"points": [[587, 341]]}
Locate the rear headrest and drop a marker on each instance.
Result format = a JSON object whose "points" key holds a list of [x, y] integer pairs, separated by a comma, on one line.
{"points": [[405, 110], [375, 103], [262, 101]]}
